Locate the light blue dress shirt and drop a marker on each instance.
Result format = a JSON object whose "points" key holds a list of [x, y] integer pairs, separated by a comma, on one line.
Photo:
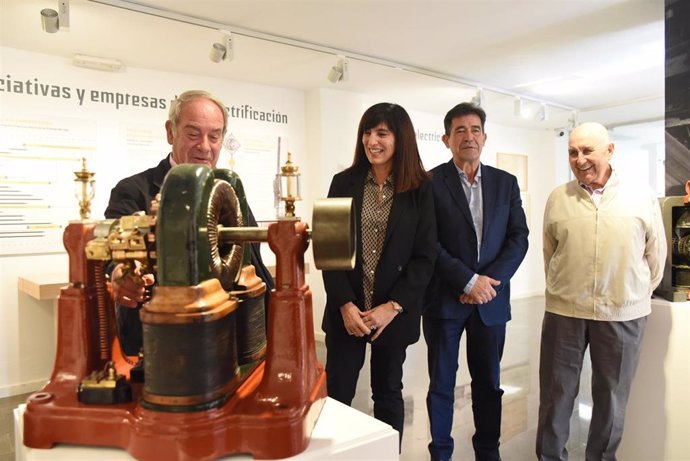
{"points": [[473, 192]]}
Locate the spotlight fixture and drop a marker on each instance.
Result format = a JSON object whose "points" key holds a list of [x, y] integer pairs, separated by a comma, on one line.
{"points": [[97, 63], [520, 110], [338, 73], [52, 21], [223, 50], [478, 98], [543, 114]]}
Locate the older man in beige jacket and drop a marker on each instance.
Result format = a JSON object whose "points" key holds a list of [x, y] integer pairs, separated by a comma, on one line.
{"points": [[604, 252]]}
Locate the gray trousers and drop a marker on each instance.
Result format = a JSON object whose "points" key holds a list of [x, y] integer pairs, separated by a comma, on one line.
{"points": [[614, 351]]}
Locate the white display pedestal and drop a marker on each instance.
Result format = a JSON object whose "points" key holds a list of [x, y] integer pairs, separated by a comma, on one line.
{"points": [[657, 422], [341, 433]]}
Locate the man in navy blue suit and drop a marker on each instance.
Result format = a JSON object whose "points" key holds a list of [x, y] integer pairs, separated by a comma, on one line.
{"points": [[482, 239]]}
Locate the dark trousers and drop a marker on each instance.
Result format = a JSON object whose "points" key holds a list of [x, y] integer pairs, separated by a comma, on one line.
{"points": [[484, 352], [344, 360], [614, 348]]}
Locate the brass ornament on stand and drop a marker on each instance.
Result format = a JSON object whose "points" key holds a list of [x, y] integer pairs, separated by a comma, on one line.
{"points": [[289, 186], [85, 189]]}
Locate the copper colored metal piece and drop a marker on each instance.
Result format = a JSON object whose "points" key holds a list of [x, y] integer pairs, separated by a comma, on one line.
{"points": [[208, 298], [224, 209], [102, 309], [251, 317]]}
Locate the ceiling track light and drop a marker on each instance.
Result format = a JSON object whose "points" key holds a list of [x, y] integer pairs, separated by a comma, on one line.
{"points": [[536, 109], [543, 114], [223, 50], [338, 72], [52, 21], [520, 109], [478, 98]]}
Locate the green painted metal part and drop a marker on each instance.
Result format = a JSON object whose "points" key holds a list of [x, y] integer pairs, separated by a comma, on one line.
{"points": [[184, 255]]}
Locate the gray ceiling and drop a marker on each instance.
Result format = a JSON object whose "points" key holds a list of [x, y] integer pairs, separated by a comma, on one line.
{"points": [[605, 57]]}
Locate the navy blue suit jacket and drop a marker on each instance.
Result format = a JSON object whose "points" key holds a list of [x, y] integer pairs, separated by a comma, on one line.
{"points": [[504, 242], [405, 265]]}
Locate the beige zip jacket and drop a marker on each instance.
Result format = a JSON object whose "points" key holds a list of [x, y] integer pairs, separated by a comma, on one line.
{"points": [[603, 262]]}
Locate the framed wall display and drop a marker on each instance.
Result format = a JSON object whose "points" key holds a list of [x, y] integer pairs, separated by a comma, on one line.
{"points": [[515, 164]]}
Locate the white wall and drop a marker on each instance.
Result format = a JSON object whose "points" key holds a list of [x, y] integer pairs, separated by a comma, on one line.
{"points": [[639, 153]]}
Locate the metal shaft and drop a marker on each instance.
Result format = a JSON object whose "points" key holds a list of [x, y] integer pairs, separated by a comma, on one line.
{"points": [[243, 234]]}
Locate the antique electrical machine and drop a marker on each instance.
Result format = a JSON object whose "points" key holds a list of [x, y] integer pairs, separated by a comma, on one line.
{"points": [[675, 286], [216, 376]]}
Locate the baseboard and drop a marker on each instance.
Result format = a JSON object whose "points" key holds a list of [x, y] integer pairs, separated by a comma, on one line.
{"points": [[22, 388]]}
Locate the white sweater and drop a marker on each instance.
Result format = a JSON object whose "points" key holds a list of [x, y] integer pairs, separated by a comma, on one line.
{"points": [[603, 262]]}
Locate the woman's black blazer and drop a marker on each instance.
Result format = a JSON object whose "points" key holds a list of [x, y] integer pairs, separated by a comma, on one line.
{"points": [[405, 264]]}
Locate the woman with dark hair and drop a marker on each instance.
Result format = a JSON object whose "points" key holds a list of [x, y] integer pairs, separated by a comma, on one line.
{"points": [[380, 301]]}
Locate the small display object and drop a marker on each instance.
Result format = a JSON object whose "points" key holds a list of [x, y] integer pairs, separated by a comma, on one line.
{"points": [[675, 286]]}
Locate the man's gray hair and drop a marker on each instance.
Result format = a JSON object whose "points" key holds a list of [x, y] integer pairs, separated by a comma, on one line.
{"points": [[177, 104]]}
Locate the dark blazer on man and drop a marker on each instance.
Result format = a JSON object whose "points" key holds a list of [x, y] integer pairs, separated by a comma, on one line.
{"points": [[405, 264], [504, 242], [135, 193]]}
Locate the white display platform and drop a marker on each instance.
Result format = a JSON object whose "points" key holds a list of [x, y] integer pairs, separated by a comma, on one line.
{"points": [[657, 421], [341, 433]]}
